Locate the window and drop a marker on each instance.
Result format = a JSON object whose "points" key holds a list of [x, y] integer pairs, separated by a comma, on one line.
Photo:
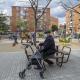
{"points": [[23, 13], [71, 13], [17, 14], [17, 8]]}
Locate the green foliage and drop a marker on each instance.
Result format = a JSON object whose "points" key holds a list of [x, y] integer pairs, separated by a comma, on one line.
{"points": [[40, 35], [65, 40], [54, 28], [3, 25], [79, 35], [22, 24]]}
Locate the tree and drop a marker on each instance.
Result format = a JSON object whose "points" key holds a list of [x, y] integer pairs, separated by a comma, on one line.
{"points": [[54, 28], [3, 25], [22, 25], [36, 4]]}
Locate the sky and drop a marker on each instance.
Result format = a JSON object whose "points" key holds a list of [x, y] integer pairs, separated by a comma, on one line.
{"points": [[56, 9]]}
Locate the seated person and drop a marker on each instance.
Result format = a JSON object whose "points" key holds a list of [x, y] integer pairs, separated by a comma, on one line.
{"points": [[48, 47]]}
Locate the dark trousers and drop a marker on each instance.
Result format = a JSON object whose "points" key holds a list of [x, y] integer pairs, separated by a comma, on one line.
{"points": [[43, 56], [15, 40]]}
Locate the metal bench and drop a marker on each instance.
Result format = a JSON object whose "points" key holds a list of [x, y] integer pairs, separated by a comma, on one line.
{"points": [[58, 56], [62, 55], [66, 53]]}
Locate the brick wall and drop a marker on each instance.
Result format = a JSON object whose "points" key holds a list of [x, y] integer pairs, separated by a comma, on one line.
{"points": [[48, 21], [76, 18]]}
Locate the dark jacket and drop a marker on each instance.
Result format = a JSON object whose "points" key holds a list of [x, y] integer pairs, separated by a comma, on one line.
{"points": [[49, 46], [14, 36]]}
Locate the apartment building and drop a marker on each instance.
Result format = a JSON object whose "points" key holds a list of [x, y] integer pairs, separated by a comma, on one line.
{"points": [[54, 21], [27, 14], [73, 19]]}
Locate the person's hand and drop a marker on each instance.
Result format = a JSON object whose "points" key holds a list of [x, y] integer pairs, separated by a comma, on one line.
{"points": [[41, 44], [37, 47]]}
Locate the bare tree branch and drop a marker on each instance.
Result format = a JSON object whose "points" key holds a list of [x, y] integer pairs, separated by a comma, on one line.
{"points": [[67, 8], [31, 2], [44, 9], [75, 10], [35, 5]]}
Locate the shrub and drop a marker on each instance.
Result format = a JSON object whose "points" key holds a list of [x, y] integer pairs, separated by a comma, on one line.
{"points": [[40, 35]]}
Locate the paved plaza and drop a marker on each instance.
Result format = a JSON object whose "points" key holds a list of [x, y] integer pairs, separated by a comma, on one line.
{"points": [[12, 62], [6, 45], [24, 22]]}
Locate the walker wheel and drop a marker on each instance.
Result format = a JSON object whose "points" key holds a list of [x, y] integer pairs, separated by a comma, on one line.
{"points": [[41, 75], [29, 67], [21, 75]]}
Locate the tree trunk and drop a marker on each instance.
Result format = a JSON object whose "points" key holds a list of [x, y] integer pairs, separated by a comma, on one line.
{"points": [[35, 30]]}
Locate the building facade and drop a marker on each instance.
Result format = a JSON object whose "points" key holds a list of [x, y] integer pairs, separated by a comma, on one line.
{"points": [[27, 14], [73, 19], [54, 21]]}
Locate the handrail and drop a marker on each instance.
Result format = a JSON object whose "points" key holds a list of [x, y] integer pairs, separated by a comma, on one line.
{"points": [[28, 45], [66, 47]]}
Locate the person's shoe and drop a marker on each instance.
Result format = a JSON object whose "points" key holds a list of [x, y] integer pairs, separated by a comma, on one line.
{"points": [[13, 44], [49, 62]]}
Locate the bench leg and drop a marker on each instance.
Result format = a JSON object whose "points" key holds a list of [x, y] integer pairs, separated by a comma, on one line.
{"points": [[60, 63], [66, 59]]}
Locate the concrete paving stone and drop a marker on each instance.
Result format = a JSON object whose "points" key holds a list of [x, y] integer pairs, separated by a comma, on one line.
{"points": [[12, 61], [12, 64]]}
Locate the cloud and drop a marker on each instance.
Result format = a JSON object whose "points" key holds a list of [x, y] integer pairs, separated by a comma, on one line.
{"points": [[62, 20], [5, 11], [2, 1], [21, 3], [53, 4], [58, 11], [22, 0]]}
